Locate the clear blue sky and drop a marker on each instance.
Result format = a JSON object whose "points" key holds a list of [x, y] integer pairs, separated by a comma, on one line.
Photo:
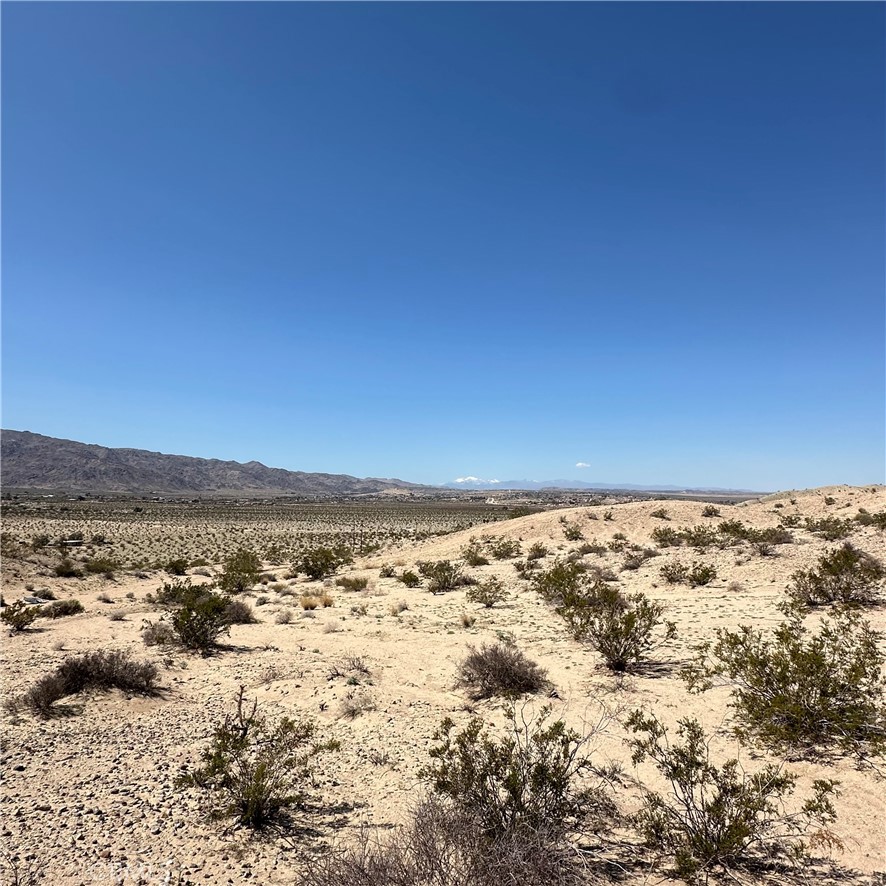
{"points": [[429, 241]]}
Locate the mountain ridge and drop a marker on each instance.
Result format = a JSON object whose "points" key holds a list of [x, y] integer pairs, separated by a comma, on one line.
{"points": [[35, 461]]}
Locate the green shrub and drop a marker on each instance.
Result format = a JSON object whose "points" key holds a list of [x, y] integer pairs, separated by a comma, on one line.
{"points": [[660, 514], [572, 532], [473, 555], [321, 562], [410, 579], [526, 780], [864, 518], [701, 574], [789, 521], [61, 608], [796, 690], [675, 573], [157, 633], [200, 619], [487, 592], [537, 551], [503, 548], [241, 571], [710, 511], [830, 528], [178, 566], [254, 769], [623, 629], [500, 669], [66, 569], [733, 529], [560, 581], [100, 670], [667, 537], [387, 571], [19, 616], [442, 575], [720, 817], [635, 559], [101, 566], [846, 575], [700, 537], [353, 583]]}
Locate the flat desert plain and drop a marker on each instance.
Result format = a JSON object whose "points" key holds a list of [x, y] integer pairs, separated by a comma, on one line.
{"points": [[91, 797]]}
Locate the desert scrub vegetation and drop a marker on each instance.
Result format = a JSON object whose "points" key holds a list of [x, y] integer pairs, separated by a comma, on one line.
{"points": [[240, 572], [696, 575], [623, 629], [846, 575], [537, 777], [503, 548], [198, 616], [442, 575], [410, 578], [353, 583], [19, 616], [487, 593], [101, 566], [722, 817], [800, 691], [255, 769], [65, 568], [321, 562], [98, 671], [829, 528], [572, 532], [472, 553], [500, 669], [61, 609], [537, 551], [710, 511]]}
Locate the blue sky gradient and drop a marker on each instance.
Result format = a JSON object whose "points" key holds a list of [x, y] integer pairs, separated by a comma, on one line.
{"points": [[434, 240]]}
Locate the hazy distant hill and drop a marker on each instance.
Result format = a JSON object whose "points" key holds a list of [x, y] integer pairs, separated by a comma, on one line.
{"points": [[32, 461], [478, 484]]}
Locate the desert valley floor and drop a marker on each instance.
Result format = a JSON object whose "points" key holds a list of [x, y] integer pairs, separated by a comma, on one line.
{"points": [[91, 797]]}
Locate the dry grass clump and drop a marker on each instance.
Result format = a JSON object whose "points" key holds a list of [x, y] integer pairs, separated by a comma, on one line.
{"points": [[398, 607], [500, 669], [283, 617], [309, 601], [61, 609], [356, 703], [99, 671], [353, 583]]}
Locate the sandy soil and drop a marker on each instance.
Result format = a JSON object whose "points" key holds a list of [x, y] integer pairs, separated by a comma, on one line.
{"points": [[91, 797]]}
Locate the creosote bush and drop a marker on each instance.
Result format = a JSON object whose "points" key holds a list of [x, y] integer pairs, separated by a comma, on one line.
{"points": [[241, 571], [67, 569], [442, 575], [353, 583], [721, 817], [797, 691], [503, 548], [487, 592], [19, 616], [622, 628], [536, 552], [845, 575], [255, 769], [320, 562], [710, 511], [830, 528], [529, 779], [472, 553], [100, 671], [61, 608], [410, 578], [500, 669]]}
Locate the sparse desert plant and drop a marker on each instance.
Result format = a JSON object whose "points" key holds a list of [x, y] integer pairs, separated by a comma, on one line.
{"points": [[675, 573], [796, 690], [19, 616], [559, 581], [101, 566], [467, 619], [61, 608], [667, 537], [387, 571], [66, 569], [158, 633], [356, 703], [660, 514], [635, 559], [442, 575], [472, 553], [536, 552], [700, 537], [320, 562], [527, 779], [255, 769], [99, 671], [398, 607], [700, 574], [830, 528], [104, 598], [622, 628], [241, 571], [326, 600], [500, 669], [721, 817], [572, 532], [710, 511], [503, 548], [201, 620], [176, 566], [487, 592], [356, 583], [309, 601], [846, 575], [410, 579], [238, 612], [283, 617], [865, 518]]}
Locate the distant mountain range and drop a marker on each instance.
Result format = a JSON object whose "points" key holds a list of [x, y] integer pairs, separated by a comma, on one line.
{"points": [[484, 485], [32, 461]]}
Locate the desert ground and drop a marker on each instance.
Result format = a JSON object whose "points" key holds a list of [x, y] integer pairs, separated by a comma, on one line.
{"points": [[91, 797]]}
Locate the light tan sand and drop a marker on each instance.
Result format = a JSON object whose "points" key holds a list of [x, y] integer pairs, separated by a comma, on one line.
{"points": [[92, 795]]}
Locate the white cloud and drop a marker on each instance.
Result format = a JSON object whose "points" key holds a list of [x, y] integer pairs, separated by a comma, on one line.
{"points": [[582, 464], [474, 480]]}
